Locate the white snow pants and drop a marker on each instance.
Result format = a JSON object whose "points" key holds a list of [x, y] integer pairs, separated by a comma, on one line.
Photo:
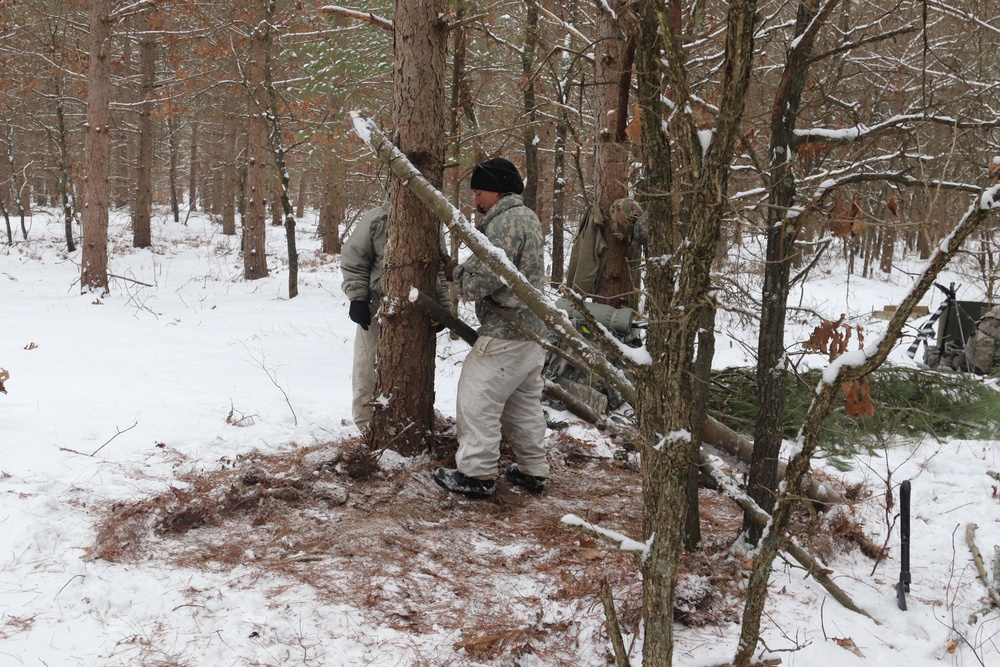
{"points": [[499, 393], [363, 375]]}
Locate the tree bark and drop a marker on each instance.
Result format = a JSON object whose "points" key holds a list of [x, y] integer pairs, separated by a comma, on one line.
{"points": [[142, 211], [405, 366], [531, 175], [193, 168], [254, 227], [65, 178], [230, 181], [612, 79], [332, 210], [94, 260]]}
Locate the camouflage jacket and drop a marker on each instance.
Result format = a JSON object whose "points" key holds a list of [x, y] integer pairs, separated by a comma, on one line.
{"points": [[514, 228], [363, 258]]}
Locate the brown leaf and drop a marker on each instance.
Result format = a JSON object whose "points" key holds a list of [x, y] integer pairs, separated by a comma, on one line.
{"points": [[4, 375], [480, 644], [892, 205], [858, 399], [848, 643]]}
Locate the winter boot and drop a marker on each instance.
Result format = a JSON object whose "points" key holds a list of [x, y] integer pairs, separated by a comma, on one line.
{"points": [[529, 482], [453, 480]]}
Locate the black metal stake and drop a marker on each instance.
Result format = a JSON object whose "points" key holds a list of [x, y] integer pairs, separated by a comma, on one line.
{"points": [[903, 587]]}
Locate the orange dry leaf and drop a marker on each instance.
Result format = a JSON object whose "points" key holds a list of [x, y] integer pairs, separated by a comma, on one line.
{"points": [[859, 400], [848, 643], [892, 205]]}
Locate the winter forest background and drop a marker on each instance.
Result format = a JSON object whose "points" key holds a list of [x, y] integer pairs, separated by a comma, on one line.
{"points": [[774, 146]]}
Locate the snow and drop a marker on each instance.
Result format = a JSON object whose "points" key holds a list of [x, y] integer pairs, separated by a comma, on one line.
{"points": [[110, 398]]}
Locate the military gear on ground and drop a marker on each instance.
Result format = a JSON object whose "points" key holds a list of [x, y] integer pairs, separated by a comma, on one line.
{"points": [[583, 385], [513, 228], [967, 339], [360, 313], [983, 349]]}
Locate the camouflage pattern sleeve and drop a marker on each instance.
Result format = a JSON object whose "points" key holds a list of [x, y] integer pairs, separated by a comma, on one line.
{"points": [[513, 228]]}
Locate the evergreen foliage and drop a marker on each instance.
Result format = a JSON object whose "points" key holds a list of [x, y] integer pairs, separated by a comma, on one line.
{"points": [[909, 403]]}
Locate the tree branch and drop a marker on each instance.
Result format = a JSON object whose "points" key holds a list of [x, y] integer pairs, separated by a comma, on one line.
{"points": [[357, 15]]}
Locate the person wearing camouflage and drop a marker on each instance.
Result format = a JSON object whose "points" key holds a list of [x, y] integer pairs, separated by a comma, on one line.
{"points": [[500, 388], [361, 263]]}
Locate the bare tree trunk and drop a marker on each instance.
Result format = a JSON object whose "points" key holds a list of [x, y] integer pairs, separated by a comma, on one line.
{"points": [[94, 260], [613, 74], [559, 199], [193, 169], [65, 178], [255, 188], [782, 231], [142, 211], [175, 207], [531, 172], [678, 297], [230, 181], [332, 210], [405, 366], [300, 198]]}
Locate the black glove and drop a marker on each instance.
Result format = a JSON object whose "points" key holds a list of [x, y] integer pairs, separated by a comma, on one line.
{"points": [[361, 313]]}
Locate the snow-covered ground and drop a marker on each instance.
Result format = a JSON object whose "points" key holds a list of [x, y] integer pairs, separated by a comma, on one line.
{"points": [[110, 398]]}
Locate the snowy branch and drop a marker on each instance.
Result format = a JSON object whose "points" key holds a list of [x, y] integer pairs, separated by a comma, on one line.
{"points": [[837, 137], [358, 15]]}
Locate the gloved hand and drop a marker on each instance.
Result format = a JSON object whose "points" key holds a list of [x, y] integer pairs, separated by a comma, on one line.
{"points": [[360, 313]]}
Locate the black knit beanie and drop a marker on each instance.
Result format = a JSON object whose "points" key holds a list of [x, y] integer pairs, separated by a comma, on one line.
{"points": [[496, 175]]}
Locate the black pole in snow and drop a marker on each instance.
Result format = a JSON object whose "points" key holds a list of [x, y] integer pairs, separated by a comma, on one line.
{"points": [[903, 587]]}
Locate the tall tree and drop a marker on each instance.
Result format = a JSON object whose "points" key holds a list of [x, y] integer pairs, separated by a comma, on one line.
{"points": [[405, 357], [94, 261], [142, 207], [254, 225], [613, 54], [695, 179]]}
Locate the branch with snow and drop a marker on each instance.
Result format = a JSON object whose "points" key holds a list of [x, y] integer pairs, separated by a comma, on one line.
{"points": [[624, 542], [840, 136], [358, 15]]}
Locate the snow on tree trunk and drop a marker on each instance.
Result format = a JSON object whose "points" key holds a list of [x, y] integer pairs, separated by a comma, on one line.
{"points": [[254, 227]]}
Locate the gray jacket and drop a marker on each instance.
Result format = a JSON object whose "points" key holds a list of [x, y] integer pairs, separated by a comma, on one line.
{"points": [[363, 258], [514, 228]]}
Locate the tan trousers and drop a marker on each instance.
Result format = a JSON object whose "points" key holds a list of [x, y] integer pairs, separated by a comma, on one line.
{"points": [[499, 393], [363, 375]]}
